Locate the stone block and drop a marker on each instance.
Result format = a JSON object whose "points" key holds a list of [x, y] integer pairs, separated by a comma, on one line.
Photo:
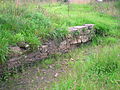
{"points": [[41, 56], [76, 28], [15, 51], [52, 48], [74, 41], [63, 45], [89, 26], [85, 39], [44, 48], [79, 40]]}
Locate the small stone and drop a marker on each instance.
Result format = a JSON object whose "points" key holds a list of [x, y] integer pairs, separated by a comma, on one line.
{"points": [[50, 66], [63, 44], [85, 39], [42, 78], [56, 75], [74, 41], [71, 59], [89, 26], [79, 41], [27, 45], [23, 45], [25, 56], [44, 48]]}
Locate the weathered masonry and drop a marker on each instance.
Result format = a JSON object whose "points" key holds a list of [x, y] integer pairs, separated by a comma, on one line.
{"points": [[77, 35]]}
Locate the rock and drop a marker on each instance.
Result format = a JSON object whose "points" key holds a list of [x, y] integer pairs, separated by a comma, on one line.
{"points": [[14, 62], [23, 45], [87, 32], [42, 78], [71, 59], [89, 26], [52, 48], [44, 48], [74, 41], [56, 75], [30, 60], [63, 45], [15, 51], [79, 40], [41, 56], [72, 29], [50, 66], [76, 28], [80, 27], [69, 36], [85, 39]]}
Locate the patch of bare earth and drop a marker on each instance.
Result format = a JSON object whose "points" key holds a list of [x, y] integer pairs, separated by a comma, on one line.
{"points": [[40, 78], [36, 78]]}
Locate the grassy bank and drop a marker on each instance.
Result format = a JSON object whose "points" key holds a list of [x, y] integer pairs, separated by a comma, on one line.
{"points": [[93, 69], [21, 24], [31, 23], [99, 69]]}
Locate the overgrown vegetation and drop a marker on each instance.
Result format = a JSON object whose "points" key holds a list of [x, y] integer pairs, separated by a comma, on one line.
{"points": [[21, 24], [31, 23], [98, 70]]}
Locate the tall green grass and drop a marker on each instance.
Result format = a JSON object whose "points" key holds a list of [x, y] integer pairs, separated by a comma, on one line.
{"points": [[31, 23], [21, 24], [83, 14], [96, 71]]}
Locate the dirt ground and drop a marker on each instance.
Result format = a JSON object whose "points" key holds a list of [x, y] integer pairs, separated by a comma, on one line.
{"points": [[36, 78], [39, 77]]}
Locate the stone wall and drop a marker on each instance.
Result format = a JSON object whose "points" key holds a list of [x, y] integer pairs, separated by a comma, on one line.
{"points": [[19, 55]]}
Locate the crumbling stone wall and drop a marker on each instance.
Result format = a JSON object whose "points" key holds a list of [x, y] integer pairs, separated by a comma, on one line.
{"points": [[77, 36]]}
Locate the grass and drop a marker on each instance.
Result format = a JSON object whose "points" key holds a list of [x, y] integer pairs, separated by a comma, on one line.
{"points": [[93, 69], [83, 14], [25, 23], [100, 69], [21, 24], [33, 23]]}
